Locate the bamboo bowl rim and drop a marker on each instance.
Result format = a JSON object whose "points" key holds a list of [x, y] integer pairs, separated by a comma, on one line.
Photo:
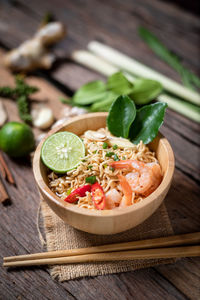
{"points": [[99, 213]]}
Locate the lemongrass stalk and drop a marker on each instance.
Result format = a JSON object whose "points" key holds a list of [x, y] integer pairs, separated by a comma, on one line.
{"points": [[129, 64], [95, 63], [92, 61], [187, 109]]}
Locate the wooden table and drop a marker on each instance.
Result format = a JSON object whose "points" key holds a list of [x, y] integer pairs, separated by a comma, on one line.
{"points": [[114, 23]]}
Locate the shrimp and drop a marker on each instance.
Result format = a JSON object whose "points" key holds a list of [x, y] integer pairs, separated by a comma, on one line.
{"points": [[139, 181], [157, 177], [128, 197], [113, 198]]}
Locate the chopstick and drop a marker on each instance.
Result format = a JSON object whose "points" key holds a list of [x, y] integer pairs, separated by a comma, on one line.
{"points": [[176, 240], [189, 251]]}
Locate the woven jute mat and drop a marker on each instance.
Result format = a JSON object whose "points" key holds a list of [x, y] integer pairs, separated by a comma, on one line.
{"points": [[61, 236]]}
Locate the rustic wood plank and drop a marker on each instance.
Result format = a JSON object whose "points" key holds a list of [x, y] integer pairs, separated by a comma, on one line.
{"points": [[86, 18], [137, 285], [89, 20], [25, 208], [186, 154], [64, 73], [28, 193], [24, 204], [183, 126], [119, 36], [182, 201], [179, 274]]}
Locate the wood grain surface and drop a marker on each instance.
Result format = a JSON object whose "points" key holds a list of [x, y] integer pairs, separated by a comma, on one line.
{"points": [[114, 23]]}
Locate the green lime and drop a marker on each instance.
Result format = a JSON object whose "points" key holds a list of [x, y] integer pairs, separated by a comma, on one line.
{"points": [[62, 151], [16, 139]]}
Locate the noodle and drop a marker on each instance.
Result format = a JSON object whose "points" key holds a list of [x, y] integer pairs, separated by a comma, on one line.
{"points": [[96, 163]]}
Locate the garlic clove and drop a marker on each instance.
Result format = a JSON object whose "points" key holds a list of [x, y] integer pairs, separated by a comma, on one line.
{"points": [[95, 136], [3, 114], [73, 111], [120, 142], [59, 122], [42, 118], [76, 111]]}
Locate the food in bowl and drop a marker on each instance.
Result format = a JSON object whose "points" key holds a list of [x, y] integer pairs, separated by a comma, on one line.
{"points": [[103, 221], [101, 171]]}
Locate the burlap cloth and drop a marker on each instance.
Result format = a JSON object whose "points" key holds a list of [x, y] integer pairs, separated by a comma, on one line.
{"points": [[61, 236]]}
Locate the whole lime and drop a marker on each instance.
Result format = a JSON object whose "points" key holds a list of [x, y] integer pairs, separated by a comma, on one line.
{"points": [[16, 139]]}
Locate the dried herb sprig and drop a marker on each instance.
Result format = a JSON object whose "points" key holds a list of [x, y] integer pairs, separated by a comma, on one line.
{"points": [[20, 93]]}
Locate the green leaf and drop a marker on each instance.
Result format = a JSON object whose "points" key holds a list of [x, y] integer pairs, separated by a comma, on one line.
{"points": [[70, 102], [145, 90], [148, 120], [91, 179], [189, 79], [105, 103], [90, 93], [119, 84], [121, 115], [66, 101]]}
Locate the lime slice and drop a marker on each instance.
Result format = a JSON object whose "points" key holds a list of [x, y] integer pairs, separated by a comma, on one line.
{"points": [[62, 151]]}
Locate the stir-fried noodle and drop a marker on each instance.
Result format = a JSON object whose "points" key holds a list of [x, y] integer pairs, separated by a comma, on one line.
{"points": [[96, 163]]}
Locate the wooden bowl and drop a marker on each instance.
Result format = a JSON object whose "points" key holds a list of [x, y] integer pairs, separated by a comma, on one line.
{"points": [[104, 221]]}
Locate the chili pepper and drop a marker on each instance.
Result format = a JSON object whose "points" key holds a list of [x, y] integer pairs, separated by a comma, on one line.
{"points": [[79, 192], [98, 196]]}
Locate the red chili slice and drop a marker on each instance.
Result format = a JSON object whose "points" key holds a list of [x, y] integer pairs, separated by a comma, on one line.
{"points": [[79, 192], [98, 196]]}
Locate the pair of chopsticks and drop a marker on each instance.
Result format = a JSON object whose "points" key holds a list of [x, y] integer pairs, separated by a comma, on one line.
{"points": [[145, 249]]}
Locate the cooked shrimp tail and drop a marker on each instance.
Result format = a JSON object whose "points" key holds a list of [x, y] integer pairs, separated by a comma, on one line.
{"points": [[121, 164], [139, 182], [126, 189]]}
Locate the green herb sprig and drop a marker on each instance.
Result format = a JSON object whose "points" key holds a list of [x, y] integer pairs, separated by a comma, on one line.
{"points": [[105, 145], [109, 154], [20, 93], [189, 79]]}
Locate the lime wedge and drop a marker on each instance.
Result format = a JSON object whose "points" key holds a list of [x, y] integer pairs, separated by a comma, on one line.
{"points": [[62, 151]]}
